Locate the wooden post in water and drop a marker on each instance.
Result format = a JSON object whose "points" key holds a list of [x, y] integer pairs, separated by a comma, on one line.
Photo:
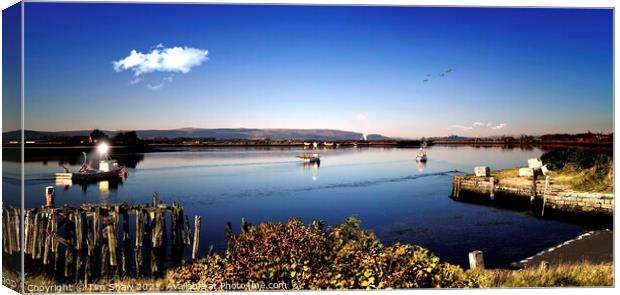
{"points": [[18, 232], [476, 260], [69, 242], [47, 240], [155, 199], [533, 197], [4, 227], [126, 240], [96, 217], [90, 250], [53, 239], [8, 216], [196, 237], [79, 242], [544, 197], [139, 237], [112, 228], [78, 230], [492, 189], [38, 235], [188, 233], [157, 239], [105, 258], [27, 230]]}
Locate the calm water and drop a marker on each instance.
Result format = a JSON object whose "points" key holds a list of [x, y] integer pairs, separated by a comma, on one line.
{"points": [[393, 196]]}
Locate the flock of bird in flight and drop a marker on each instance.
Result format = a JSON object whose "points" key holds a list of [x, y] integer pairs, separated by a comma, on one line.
{"points": [[448, 71]]}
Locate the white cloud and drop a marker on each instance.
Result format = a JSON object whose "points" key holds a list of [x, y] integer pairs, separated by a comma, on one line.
{"points": [[135, 80], [160, 59], [169, 78], [460, 127], [156, 86], [499, 126], [478, 124]]}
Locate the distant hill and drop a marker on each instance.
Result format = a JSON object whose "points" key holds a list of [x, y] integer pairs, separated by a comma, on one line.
{"points": [[218, 133]]}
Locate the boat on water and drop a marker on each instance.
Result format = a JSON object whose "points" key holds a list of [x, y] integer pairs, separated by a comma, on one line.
{"points": [[108, 169], [307, 143], [310, 157], [328, 143], [421, 156]]}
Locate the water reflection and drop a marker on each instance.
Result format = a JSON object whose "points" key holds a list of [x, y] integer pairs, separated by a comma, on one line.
{"points": [[104, 190], [421, 165], [314, 169], [104, 186]]}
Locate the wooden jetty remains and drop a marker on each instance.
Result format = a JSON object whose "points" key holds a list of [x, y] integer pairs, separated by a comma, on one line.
{"points": [[94, 240]]}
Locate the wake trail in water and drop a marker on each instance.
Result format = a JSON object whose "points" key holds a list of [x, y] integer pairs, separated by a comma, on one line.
{"points": [[355, 184], [366, 183], [218, 165]]}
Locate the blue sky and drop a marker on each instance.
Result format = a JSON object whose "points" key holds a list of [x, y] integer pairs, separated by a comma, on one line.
{"points": [[514, 71]]}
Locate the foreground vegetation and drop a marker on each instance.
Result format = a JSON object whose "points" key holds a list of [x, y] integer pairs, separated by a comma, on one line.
{"points": [[344, 257], [293, 256]]}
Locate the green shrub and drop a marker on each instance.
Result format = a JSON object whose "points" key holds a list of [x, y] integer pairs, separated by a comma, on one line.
{"points": [[312, 257], [576, 159], [582, 170]]}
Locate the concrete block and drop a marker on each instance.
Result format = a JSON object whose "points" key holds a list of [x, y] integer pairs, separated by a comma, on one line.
{"points": [[534, 164], [523, 172], [482, 171]]}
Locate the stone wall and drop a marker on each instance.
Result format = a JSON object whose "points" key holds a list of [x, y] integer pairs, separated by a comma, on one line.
{"points": [[553, 197]]}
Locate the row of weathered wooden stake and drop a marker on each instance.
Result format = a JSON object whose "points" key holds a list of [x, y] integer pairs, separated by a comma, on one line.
{"points": [[10, 230], [89, 235]]}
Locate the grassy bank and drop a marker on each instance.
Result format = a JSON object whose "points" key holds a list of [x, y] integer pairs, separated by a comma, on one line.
{"points": [[581, 170], [577, 170], [576, 275]]}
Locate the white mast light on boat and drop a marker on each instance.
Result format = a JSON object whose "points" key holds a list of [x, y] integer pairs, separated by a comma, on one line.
{"points": [[103, 148]]}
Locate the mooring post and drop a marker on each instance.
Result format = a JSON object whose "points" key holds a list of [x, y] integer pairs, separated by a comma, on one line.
{"points": [[196, 237], [476, 260]]}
